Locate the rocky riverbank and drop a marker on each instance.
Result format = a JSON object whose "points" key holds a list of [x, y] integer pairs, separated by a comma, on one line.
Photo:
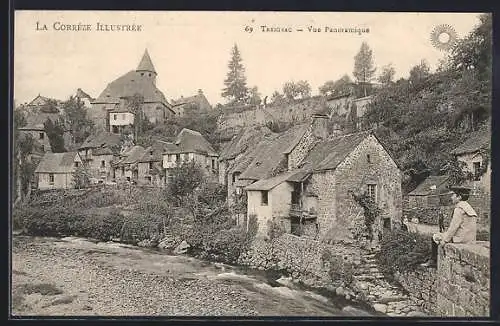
{"points": [[87, 286], [76, 277]]}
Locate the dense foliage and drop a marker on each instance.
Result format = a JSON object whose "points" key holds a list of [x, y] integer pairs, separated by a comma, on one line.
{"points": [[421, 119], [402, 251]]}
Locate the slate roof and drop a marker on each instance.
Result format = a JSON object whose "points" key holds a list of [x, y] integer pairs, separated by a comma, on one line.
{"points": [[271, 155], [146, 64], [326, 155], [57, 163], [245, 139], [268, 184], [101, 139], [128, 85], [36, 121], [134, 155], [190, 141], [158, 148], [477, 140], [81, 94], [423, 189], [198, 98]]}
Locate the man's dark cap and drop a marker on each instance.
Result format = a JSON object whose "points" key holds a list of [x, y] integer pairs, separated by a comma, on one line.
{"points": [[460, 190]]}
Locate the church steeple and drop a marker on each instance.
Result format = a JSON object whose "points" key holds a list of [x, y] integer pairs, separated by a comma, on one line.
{"points": [[146, 65]]}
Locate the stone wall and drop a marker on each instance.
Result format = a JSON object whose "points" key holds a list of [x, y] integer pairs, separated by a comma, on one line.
{"points": [[355, 173], [460, 285], [300, 257], [463, 280], [421, 287]]}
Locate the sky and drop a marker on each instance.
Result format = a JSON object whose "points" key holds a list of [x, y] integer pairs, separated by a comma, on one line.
{"points": [[191, 50]]}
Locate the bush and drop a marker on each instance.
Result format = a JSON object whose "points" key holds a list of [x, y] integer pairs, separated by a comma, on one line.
{"points": [[402, 251], [340, 268]]}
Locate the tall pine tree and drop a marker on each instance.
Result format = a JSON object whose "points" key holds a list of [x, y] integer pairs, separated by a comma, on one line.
{"points": [[236, 90], [364, 69]]}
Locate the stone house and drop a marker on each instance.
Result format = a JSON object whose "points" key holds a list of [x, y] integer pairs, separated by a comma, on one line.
{"points": [[141, 81], [475, 152], [98, 152], [426, 194], [56, 170], [36, 116], [119, 119], [84, 97], [126, 166], [317, 193], [198, 103], [150, 166], [239, 146], [191, 146]]}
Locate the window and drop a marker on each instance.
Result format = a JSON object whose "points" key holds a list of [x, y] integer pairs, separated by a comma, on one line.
{"points": [[123, 116], [170, 177], [150, 165], [150, 152], [148, 179], [42, 135], [169, 158], [264, 198], [177, 157], [372, 192], [368, 158], [115, 116], [77, 164], [51, 178], [123, 170], [235, 176], [477, 171], [103, 164], [213, 164], [142, 74]]}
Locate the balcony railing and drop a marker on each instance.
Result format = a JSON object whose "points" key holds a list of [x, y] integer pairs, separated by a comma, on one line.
{"points": [[296, 210]]}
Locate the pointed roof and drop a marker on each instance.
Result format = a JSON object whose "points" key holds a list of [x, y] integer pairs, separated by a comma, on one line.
{"points": [[190, 141], [477, 140], [57, 163], [146, 64], [424, 189], [326, 155]]}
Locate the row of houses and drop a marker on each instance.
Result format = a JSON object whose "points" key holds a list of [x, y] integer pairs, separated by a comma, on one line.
{"points": [[113, 158]]}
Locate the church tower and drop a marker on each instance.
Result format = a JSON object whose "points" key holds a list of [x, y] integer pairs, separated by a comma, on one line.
{"points": [[145, 69]]}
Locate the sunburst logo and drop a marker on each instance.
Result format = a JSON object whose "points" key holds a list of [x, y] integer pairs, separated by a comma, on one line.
{"points": [[443, 37]]}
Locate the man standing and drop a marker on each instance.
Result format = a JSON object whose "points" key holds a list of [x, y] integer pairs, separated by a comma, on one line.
{"points": [[462, 227]]}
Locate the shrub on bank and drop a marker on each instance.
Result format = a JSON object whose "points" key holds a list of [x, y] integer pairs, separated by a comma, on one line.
{"points": [[402, 251]]}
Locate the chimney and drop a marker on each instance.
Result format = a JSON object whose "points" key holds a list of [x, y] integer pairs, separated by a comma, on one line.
{"points": [[320, 125], [200, 92]]}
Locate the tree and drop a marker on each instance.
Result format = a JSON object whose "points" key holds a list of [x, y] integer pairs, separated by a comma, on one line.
{"points": [[339, 87], [277, 98], [300, 89], [364, 68], [187, 176], [81, 178], [387, 74], [75, 117], [134, 103], [55, 132], [235, 90], [254, 96], [304, 89], [419, 73]]}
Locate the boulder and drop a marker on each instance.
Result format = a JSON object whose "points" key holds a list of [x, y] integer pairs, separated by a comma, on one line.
{"points": [[146, 243], [380, 307], [182, 248], [416, 314]]}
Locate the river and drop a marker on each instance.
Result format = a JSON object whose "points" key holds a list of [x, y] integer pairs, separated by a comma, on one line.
{"points": [[262, 293]]}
